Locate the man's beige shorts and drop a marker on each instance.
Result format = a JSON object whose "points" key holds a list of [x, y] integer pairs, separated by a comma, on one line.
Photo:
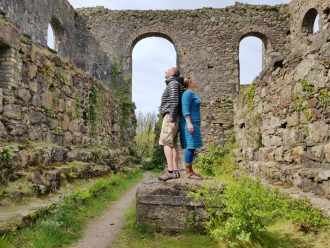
{"points": [[169, 137]]}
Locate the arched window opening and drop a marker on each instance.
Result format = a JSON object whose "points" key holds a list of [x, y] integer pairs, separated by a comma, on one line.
{"points": [[316, 26], [54, 34], [311, 22], [151, 58], [251, 59], [51, 37]]}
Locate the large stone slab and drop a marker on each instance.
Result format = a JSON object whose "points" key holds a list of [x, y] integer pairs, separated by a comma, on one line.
{"points": [[167, 206]]}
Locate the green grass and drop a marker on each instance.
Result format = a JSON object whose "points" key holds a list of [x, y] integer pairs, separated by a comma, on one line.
{"points": [[281, 234], [67, 222], [134, 236]]}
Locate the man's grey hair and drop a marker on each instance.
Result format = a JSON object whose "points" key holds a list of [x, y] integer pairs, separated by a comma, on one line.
{"points": [[176, 72]]}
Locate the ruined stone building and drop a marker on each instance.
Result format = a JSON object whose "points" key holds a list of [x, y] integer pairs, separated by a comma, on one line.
{"points": [[68, 96]]}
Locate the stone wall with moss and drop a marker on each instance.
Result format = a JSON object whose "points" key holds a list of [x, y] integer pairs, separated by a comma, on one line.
{"points": [[45, 98], [282, 120]]}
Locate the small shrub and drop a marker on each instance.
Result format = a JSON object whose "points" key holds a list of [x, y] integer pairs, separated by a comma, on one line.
{"points": [[308, 88], [302, 213], [325, 98]]}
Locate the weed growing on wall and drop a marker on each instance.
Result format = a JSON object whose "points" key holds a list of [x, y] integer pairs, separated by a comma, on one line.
{"points": [[325, 98], [93, 103], [250, 96], [122, 87], [5, 168]]}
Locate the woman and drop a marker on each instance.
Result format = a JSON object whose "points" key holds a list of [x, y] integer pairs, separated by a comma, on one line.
{"points": [[190, 134]]}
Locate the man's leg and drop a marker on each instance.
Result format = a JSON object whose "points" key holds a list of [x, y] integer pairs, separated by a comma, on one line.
{"points": [[175, 152], [169, 157]]}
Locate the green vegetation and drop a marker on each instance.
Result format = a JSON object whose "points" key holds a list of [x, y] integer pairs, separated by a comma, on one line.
{"points": [[65, 223], [50, 113], [158, 159], [96, 102], [48, 69], [208, 163], [249, 211], [122, 86], [308, 88], [325, 98], [5, 168], [23, 39], [309, 92], [250, 96], [145, 135], [62, 75]]}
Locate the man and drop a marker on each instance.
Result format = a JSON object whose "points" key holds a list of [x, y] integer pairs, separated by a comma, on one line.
{"points": [[170, 108]]}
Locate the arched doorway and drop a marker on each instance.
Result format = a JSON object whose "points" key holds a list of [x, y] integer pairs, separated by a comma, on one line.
{"points": [[151, 57], [311, 22], [251, 58]]}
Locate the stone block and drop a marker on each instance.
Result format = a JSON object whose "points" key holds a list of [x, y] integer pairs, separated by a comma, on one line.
{"points": [[167, 206], [318, 133], [47, 99], [293, 119], [36, 117], [327, 152], [13, 111], [24, 95], [3, 131], [32, 71], [289, 136], [297, 153], [315, 152]]}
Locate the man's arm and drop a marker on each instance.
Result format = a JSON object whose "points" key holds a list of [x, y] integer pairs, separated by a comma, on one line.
{"points": [[174, 100]]}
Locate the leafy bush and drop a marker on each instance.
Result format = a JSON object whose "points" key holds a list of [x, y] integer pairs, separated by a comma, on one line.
{"points": [[217, 161], [244, 209], [158, 159], [302, 213]]}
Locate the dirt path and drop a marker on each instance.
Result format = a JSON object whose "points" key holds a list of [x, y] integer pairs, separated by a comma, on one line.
{"points": [[101, 232]]}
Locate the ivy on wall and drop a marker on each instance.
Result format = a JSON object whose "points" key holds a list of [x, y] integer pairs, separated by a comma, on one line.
{"points": [[122, 89]]}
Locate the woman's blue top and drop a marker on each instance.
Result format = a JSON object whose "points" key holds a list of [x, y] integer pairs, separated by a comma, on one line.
{"points": [[190, 106]]}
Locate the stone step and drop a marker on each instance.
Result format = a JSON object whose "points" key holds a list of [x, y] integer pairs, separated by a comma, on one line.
{"points": [[314, 180], [321, 203], [44, 180], [20, 214], [167, 206]]}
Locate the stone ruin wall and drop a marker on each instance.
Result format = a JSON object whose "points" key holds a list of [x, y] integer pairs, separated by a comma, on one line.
{"points": [[95, 39], [205, 43], [276, 139], [45, 99], [283, 127]]}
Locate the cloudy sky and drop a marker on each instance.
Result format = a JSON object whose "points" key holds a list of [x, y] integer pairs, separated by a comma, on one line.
{"points": [[152, 56]]}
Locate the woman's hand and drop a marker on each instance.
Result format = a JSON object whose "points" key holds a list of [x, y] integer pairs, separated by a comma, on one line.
{"points": [[190, 128]]}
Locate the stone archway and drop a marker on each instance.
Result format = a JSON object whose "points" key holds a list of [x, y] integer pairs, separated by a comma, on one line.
{"points": [[308, 21], [148, 32], [266, 50]]}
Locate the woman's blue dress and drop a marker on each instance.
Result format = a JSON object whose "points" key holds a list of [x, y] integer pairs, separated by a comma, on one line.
{"points": [[190, 106]]}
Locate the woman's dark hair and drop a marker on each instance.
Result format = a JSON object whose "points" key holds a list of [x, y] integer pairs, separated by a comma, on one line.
{"points": [[186, 82]]}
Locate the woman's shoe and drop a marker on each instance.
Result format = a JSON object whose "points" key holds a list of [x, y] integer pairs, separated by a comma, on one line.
{"points": [[193, 176]]}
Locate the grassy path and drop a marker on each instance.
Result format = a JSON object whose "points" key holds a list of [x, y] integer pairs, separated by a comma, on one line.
{"points": [[102, 231]]}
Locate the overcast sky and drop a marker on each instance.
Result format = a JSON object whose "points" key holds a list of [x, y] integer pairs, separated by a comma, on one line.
{"points": [[152, 56]]}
